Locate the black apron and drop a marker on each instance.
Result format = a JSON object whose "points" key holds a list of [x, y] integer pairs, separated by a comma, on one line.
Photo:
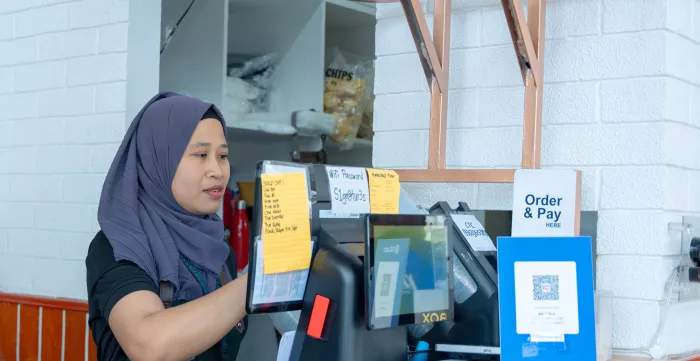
{"points": [[227, 348]]}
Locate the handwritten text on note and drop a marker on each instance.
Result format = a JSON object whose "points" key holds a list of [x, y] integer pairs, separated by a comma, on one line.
{"points": [[349, 190], [286, 229], [384, 191]]}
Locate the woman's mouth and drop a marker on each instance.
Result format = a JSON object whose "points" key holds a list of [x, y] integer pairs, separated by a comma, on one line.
{"points": [[215, 192]]}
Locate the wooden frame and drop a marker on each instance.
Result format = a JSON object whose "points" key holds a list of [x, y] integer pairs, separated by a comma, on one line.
{"points": [[528, 41], [36, 327]]}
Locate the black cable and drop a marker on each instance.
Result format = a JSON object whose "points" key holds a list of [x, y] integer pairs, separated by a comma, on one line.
{"points": [[170, 35]]}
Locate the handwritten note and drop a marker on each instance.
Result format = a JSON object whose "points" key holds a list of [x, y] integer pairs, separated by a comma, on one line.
{"points": [[384, 191], [286, 229], [473, 232], [349, 190]]}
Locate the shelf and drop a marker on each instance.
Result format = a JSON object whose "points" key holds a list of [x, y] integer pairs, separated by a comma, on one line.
{"points": [[274, 127], [360, 7], [346, 14], [359, 144], [303, 31]]}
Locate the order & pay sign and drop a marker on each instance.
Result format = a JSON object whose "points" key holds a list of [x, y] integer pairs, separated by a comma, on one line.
{"points": [[546, 203]]}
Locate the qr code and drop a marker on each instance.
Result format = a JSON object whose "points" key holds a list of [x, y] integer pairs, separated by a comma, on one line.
{"points": [[386, 285], [545, 288]]}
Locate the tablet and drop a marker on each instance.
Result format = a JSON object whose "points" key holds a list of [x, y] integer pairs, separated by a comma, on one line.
{"points": [[279, 292], [408, 264]]}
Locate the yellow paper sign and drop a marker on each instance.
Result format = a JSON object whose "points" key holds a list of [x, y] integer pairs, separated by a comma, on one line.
{"points": [[286, 229], [384, 190]]}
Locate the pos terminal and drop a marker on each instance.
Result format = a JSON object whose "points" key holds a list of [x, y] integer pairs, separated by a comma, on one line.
{"points": [[371, 281]]}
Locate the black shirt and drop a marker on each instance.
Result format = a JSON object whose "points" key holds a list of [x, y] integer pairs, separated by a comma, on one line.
{"points": [[108, 281]]}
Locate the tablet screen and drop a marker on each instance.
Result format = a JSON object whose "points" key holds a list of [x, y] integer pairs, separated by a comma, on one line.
{"points": [[408, 269]]}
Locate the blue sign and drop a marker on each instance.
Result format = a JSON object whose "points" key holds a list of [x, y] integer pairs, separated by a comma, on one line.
{"points": [[546, 298]]}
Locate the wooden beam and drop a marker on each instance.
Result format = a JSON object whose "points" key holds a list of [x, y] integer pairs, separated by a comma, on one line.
{"points": [[528, 42], [437, 141], [456, 175], [425, 45], [520, 34], [532, 117], [46, 302]]}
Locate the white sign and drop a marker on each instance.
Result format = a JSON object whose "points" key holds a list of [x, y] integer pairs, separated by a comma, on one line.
{"points": [[473, 232], [284, 352], [277, 287], [544, 203], [546, 299], [349, 190]]}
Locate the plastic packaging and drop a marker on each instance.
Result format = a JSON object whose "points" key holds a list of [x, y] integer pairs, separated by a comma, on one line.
{"points": [[248, 85], [347, 92], [366, 126]]}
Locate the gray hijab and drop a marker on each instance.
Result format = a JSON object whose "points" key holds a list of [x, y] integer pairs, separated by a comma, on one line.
{"points": [[138, 212]]}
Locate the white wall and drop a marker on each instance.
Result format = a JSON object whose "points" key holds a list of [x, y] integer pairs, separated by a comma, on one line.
{"points": [[621, 103], [63, 81]]}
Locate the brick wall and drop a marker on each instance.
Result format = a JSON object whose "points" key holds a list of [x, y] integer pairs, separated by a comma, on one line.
{"points": [[63, 72], [621, 103]]}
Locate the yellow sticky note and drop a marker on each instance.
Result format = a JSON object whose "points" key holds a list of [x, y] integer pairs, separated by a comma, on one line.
{"points": [[286, 229], [384, 190]]}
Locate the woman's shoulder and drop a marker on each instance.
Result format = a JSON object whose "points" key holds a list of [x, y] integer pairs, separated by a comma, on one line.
{"points": [[100, 251], [108, 278], [100, 262]]}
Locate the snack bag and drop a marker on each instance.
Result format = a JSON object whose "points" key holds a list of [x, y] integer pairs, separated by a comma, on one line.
{"points": [[347, 93]]}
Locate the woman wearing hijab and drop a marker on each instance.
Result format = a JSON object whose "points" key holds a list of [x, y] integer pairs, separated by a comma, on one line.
{"points": [[161, 280]]}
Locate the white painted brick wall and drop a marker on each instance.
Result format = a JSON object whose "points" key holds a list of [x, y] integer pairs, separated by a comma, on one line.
{"points": [[63, 100], [621, 103]]}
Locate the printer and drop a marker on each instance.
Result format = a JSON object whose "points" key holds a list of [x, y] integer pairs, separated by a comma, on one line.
{"points": [[333, 308]]}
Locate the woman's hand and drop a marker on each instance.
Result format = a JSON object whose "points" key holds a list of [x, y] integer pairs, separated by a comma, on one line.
{"points": [[147, 331]]}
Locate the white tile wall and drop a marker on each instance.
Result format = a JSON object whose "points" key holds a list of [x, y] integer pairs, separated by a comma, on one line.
{"points": [[620, 103], [63, 96]]}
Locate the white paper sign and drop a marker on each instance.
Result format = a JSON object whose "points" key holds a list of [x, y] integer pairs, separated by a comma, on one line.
{"points": [[546, 299], [349, 190], [473, 232], [277, 287], [544, 203], [284, 352]]}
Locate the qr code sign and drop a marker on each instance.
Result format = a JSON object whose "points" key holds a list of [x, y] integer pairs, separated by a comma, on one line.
{"points": [[386, 285], [545, 288]]}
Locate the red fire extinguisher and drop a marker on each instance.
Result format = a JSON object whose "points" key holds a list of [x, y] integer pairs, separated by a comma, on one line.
{"points": [[240, 235]]}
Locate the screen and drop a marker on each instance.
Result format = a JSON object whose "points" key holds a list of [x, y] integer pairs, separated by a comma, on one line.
{"points": [[409, 274]]}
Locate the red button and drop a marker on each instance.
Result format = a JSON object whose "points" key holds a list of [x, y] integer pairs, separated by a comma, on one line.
{"points": [[318, 316]]}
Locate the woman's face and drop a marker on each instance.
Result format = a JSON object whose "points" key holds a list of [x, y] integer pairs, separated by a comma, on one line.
{"points": [[203, 172]]}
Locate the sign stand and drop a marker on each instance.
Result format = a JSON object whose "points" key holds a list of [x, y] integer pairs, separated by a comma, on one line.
{"points": [[546, 299]]}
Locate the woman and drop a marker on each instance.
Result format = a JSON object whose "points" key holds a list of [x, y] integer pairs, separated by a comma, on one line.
{"points": [[161, 280]]}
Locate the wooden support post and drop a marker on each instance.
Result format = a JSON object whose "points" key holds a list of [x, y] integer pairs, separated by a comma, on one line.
{"points": [[532, 126], [434, 53]]}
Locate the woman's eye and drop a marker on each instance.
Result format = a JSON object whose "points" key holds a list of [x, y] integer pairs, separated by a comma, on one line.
{"points": [[200, 155], [224, 156]]}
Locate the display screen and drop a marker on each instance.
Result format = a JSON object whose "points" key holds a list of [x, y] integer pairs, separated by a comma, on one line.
{"points": [[409, 270]]}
